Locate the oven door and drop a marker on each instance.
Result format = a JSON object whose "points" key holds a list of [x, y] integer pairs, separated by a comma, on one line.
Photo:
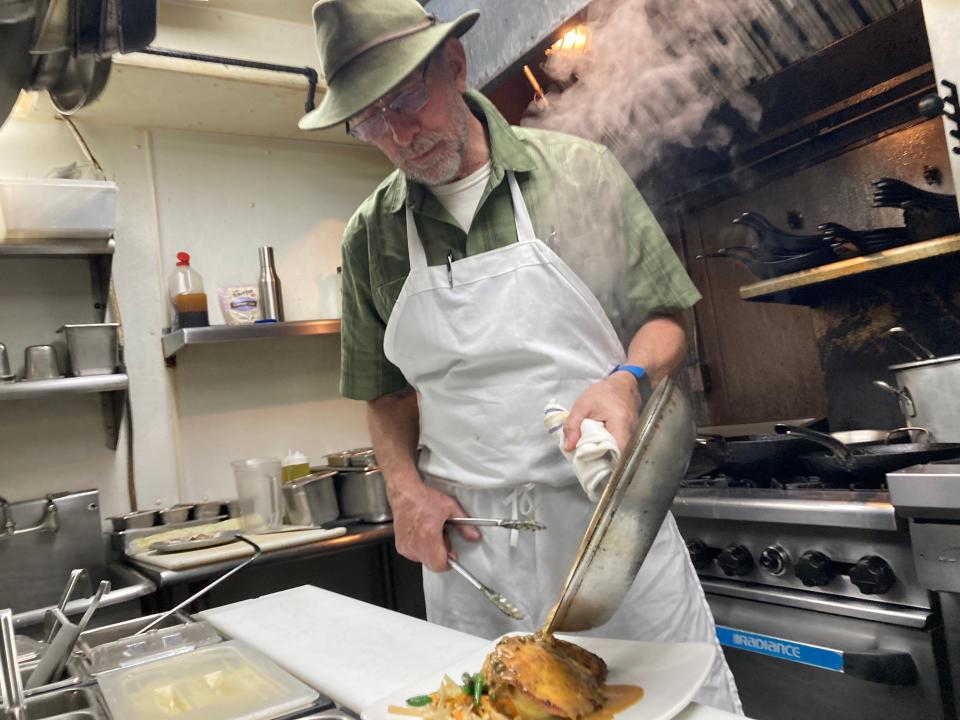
{"points": [[799, 662]]}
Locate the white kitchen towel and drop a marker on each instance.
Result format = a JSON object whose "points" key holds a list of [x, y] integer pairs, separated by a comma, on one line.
{"points": [[596, 453]]}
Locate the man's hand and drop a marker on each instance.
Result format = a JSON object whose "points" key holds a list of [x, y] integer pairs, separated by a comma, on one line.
{"points": [[614, 401], [419, 514]]}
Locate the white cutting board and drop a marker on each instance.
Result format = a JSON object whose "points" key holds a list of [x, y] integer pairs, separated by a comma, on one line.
{"points": [[351, 651], [235, 550]]}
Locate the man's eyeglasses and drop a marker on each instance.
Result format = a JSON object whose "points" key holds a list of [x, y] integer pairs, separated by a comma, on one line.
{"points": [[408, 101]]}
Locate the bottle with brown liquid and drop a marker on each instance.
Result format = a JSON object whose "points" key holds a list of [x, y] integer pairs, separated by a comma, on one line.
{"points": [[187, 295]]}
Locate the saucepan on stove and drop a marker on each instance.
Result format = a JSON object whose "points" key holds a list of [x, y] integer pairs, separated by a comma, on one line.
{"points": [[865, 462]]}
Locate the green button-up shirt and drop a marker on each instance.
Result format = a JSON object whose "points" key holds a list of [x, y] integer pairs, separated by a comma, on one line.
{"points": [[582, 204]]}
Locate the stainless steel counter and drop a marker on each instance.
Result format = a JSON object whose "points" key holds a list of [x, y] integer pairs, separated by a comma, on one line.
{"points": [[357, 536]]}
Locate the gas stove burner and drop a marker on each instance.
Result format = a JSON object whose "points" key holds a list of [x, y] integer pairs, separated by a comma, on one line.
{"points": [[800, 483], [720, 481]]}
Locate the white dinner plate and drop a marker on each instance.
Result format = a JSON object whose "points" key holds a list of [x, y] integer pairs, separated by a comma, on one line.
{"points": [[669, 673]]}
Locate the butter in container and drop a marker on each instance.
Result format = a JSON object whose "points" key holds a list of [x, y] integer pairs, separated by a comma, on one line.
{"points": [[226, 681]]}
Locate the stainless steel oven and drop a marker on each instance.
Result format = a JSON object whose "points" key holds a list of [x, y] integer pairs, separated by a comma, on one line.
{"points": [[817, 601]]}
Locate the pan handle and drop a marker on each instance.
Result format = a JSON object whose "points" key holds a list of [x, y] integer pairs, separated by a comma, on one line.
{"points": [[908, 431], [840, 451]]}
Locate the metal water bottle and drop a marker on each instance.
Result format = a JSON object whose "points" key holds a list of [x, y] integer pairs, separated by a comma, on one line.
{"points": [[271, 296]]}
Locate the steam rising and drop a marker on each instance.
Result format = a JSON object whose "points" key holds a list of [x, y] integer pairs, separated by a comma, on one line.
{"points": [[656, 69]]}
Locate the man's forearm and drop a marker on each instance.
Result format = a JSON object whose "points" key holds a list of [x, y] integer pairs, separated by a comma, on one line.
{"points": [[394, 422], [658, 347]]}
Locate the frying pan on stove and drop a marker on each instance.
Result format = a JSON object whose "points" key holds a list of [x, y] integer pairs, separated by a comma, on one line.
{"points": [[869, 462], [756, 457]]}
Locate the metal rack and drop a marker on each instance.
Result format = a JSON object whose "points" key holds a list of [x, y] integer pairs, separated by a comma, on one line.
{"points": [[175, 341], [112, 388]]}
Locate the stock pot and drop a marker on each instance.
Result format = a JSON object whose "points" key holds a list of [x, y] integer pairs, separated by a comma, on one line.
{"points": [[929, 395]]}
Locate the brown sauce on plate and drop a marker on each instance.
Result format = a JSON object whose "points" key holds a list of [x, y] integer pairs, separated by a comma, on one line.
{"points": [[619, 698]]}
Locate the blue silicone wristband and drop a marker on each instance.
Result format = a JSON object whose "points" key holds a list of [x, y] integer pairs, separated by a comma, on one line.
{"points": [[635, 370]]}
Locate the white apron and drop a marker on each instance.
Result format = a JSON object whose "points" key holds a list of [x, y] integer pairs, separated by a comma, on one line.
{"points": [[486, 341]]}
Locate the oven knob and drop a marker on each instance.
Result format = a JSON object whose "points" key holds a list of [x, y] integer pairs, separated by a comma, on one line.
{"points": [[774, 560], [872, 575], [815, 569], [735, 560], [701, 554]]}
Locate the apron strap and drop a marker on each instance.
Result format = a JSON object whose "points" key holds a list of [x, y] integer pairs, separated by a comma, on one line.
{"points": [[418, 258], [521, 216]]}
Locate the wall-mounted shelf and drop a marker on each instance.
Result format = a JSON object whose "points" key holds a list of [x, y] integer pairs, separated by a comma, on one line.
{"points": [[54, 248], [33, 389], [177, 340], [790, 288], [112, 390], [153, 91]]}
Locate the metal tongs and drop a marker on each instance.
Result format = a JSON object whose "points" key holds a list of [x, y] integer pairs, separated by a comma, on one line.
{"points": [[501, 603], [509, 524], [55, 657]]}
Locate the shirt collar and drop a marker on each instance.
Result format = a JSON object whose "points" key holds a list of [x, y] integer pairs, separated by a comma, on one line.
{"points": [[507, 152]]}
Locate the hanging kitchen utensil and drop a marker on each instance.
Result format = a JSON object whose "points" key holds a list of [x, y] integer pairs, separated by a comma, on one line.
{"points": [[774, 241], [908, 342], [629, 513], [867, 463], [16, 63], [80, 83], [765, 266], [925, 214], [867, 241]]}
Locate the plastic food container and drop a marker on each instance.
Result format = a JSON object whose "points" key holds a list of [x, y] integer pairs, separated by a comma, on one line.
{"points": [[226, 681], [92, 348], [152, 645], [53, 209]]}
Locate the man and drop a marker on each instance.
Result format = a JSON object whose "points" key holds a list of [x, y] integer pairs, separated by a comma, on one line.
{"points": [[460, 323]]}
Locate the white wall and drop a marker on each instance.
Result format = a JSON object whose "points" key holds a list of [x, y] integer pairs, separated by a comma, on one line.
{"points": [[219, 197]]}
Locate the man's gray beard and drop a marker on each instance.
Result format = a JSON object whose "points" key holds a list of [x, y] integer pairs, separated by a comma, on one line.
{"points": [[445, 166]]}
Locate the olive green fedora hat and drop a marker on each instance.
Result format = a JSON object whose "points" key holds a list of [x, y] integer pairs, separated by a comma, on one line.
{"points": [[368, 47]]}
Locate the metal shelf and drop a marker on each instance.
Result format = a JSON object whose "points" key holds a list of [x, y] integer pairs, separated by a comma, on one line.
{"points": [[57, 248], [794, 288], [177, 340], [32, 389], [112, 390]]}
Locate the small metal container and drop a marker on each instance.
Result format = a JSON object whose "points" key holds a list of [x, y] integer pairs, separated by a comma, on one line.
{"points": [[364, 495], [93, 349], [358, 457], [208, 510], [134, 520], [312, 499], [5, 374], [40, 363], [175, 514]]}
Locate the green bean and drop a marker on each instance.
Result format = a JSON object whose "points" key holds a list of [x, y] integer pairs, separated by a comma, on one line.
{"points": [[419, 700]]}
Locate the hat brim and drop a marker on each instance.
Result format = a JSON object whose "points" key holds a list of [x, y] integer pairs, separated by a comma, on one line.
{"points": [[376, 72]]}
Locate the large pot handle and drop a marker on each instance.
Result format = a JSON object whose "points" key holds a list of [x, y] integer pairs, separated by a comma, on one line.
{"points": [[906, 399], [840, 451]]}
